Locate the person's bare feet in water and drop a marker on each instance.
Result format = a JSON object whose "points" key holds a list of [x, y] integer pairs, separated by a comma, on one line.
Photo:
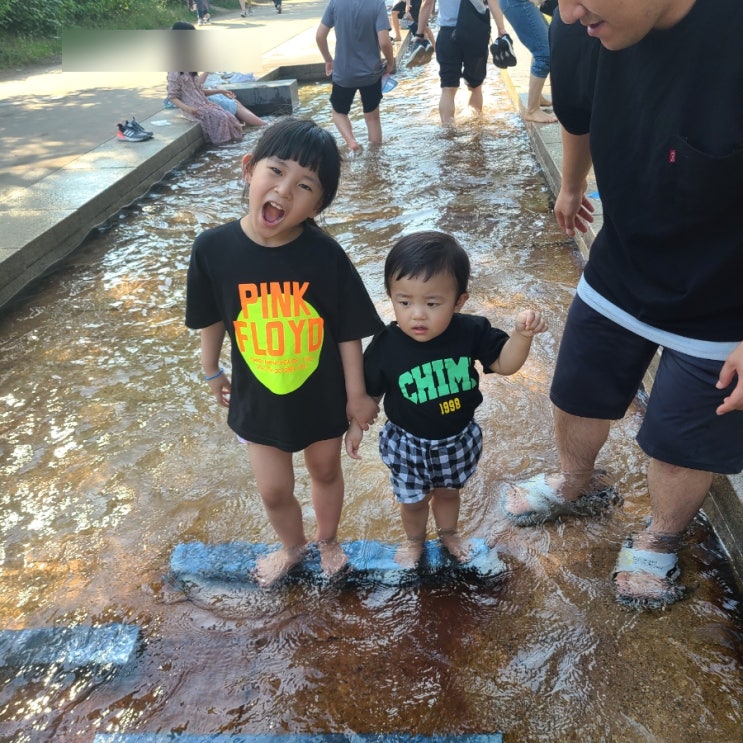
{"points": [[276, 565], [409, 553], [332, 557], [460, 549], [539, 117]]}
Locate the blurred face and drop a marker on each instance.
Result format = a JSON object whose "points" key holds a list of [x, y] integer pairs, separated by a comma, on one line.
{"points": [[283, 194], [423, 309], [622, 23]]}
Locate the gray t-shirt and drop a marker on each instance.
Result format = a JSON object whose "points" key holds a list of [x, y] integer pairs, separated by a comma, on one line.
{"points": [[357, 61]]}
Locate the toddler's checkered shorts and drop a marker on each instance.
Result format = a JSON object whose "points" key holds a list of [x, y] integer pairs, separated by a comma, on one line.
{"points": [[417, 465]]}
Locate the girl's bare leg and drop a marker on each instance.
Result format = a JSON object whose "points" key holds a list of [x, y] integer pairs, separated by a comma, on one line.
{"points": [[274, 475], [323, 461]]}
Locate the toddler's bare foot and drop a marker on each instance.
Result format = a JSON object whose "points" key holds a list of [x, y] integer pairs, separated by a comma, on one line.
{"points": [[277, 564], [332, 558], [540, 117], [409, 553], [460, 549]]}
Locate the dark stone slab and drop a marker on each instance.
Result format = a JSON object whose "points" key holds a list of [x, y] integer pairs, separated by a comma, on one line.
{"points": [[71, 647], [267, 98], [307, 738], [368, 561]]}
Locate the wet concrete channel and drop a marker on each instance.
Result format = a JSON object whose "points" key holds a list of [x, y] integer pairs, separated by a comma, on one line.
{"points": [[722, 508]]}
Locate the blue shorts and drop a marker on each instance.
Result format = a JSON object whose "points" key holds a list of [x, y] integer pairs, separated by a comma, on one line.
{"points": [[418, 466], [459, 61], [341, 98], [599, 369], [228, 104]]}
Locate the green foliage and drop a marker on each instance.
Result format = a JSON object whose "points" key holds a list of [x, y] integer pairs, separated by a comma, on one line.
{"points": [[50, 17], [30, 29]]}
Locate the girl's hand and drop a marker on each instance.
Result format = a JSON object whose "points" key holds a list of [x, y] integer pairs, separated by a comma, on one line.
{"points": [[228, 93], [353, 440], [363, 410], [220, 387], [529, 323]]}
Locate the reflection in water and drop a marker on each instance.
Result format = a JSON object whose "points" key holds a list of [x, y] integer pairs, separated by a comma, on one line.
{"points": [[113, 452]]}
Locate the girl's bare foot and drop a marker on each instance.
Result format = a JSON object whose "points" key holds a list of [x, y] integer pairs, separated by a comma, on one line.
{"points": [[409, 552], [460, 549], [332, 558], [277, 564]]}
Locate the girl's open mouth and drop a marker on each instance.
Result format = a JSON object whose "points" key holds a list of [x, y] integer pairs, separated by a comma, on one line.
{"points": [[273, 213]]}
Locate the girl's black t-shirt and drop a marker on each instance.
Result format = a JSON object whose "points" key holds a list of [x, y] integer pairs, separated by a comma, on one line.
{"points": [[285, 309]]}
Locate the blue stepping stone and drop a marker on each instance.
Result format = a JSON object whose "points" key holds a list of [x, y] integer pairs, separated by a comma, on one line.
{"points": [[71, 647], [368, 561], [327, 738]]}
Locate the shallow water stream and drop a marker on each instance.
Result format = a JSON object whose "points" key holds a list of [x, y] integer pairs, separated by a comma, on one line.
{"points": [[112, 452]]}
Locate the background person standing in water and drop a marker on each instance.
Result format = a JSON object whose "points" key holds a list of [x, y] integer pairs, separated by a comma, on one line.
{"points": [[362, 29]]}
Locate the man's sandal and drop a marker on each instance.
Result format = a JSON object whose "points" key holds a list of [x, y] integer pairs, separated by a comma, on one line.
{"points": [[662, 570], [545, 505]]}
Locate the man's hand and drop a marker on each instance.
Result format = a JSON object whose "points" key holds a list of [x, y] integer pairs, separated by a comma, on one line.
{"points": [[733, 365]]}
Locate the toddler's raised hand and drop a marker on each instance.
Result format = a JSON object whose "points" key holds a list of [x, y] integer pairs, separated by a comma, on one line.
{"points": [[529, 323]]}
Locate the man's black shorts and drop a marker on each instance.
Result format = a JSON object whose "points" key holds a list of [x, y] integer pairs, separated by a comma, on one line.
{"points": [[599, 369]]}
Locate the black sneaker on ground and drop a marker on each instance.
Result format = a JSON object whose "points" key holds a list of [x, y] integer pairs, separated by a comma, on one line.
{"points": [[126, 133], [502, 51], [134, 124]]}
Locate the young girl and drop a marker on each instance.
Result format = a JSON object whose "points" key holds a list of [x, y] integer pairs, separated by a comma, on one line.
{"points": [[295, 309], [186, 91]]}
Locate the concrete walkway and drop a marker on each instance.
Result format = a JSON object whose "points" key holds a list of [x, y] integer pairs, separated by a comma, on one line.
{"points": [[63, 172]]}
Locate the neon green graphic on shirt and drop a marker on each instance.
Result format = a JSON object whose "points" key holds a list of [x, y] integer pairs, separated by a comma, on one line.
{"points": [[279, 334]]}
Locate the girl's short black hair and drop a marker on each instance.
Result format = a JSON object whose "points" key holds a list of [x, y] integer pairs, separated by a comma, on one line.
{"points": [[310, 145], [425, 254]]}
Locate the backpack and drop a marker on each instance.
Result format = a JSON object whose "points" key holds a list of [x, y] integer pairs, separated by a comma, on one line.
{"points": [[473, 28]]}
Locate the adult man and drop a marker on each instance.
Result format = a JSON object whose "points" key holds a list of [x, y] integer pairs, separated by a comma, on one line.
{"points": [[464, 54], [663, 126], [362, 28]]}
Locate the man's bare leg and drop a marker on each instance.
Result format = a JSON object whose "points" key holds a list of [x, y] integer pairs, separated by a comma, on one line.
{"points": [[579, 441], [446, 106], [676, 495], [475, 101]]}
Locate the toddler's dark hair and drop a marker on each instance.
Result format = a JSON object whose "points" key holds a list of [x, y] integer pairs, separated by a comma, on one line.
{"points": [[310, 145], [425, 254]]}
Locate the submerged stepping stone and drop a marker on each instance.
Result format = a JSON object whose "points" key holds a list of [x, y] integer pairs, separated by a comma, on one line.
{"points": [[71, 647], [367, 561], [299, 738]]}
